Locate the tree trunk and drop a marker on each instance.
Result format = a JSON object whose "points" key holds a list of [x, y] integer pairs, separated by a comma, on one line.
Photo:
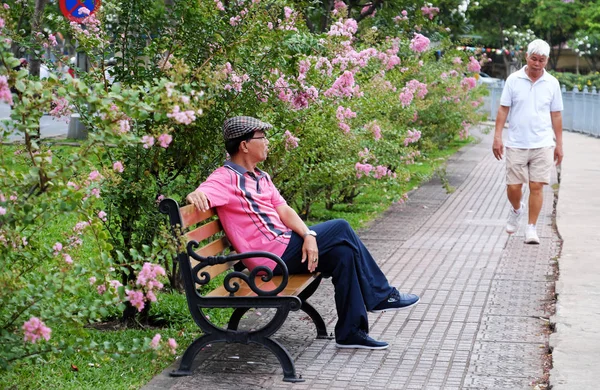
{"points": [[36, 26]]}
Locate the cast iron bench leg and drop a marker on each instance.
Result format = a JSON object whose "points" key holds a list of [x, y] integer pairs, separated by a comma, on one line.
{"points": [[285, 360], [237, 315], [185, 367], [317, 319]]}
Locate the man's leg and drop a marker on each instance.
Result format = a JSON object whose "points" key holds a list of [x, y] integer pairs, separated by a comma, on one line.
{"points": [[514, 193], [536, 198]]}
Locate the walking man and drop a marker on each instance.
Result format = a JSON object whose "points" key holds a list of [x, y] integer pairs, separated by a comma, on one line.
{"points": [[533, 141], [256, 217]]}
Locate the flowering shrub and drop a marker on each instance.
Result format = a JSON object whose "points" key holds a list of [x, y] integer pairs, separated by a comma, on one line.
{"points": [[349, 106]]}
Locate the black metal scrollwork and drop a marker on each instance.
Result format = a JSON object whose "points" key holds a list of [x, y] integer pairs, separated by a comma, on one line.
{"points": [[233, 286]]}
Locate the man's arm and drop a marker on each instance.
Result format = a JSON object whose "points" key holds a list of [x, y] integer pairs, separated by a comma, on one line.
{"points": [[198, 199], [498, 146], [557, 126], [292, 220]]}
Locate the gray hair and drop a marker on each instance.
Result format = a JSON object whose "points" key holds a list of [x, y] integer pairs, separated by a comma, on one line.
{"points": [[538, 46]]}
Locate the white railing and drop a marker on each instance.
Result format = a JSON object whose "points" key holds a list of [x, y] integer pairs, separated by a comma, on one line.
{"points": [[581, 108]]}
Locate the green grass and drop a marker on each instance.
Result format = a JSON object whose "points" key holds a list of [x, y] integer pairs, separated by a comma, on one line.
{"points": [[132, 372]]}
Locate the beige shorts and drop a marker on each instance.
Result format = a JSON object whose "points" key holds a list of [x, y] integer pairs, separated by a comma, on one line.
{"points": [[529, 165]]}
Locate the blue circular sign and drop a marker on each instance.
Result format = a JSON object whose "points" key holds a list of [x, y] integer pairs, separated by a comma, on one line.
{"points": [[74, 9]]}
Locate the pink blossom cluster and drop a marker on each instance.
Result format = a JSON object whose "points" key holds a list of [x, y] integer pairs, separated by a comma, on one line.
{"points": [[184, 117], [35, 329], [89, 26], [324, 66], [303, 68], [339, 7], [164, 140], [219, 5], [291, 142], [102, 215], [399, 18], [469, 82], [61, 108], [473, 65], [374, 128], [347, 28], [235, 81], [302, 98], [148, 279], [412, 137], [409, 159], [419, 43], [464, 132], [390, 58], [344, 86], [364, 155], [457, 60], [289, 23], [118, 167], [342, 114], [352, 57], [408, 92], [403, 199], [430, 11], [5, 94], [377, 172], [366, 8]]}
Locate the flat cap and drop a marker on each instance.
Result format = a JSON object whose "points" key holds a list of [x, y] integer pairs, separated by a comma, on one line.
{"points": [[240, 125]]}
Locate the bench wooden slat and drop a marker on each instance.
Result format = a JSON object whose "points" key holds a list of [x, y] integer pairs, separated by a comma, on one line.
{"points": [[204, 231], [190, 215], [214, 247], [296, 283]]}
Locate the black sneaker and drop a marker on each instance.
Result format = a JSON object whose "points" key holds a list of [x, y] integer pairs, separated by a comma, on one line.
{"points": [[361, 340], [396, 301]]}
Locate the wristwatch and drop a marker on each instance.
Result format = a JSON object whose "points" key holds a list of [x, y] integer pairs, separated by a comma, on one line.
{"points": [[309, 233]]}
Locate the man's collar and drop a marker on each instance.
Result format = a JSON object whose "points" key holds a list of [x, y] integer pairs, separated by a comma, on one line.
{"points": [[241, 170], [522, 74]]}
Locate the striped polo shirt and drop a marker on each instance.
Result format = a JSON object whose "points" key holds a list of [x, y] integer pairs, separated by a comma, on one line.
{"points": [[245, 203]]}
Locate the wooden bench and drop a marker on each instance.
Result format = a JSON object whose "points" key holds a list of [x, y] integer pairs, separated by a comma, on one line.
{"points": [[240, 290]]}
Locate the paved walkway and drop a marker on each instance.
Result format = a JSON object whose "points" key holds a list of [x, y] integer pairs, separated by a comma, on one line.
{"points": [[483, 319], [576, 343]]}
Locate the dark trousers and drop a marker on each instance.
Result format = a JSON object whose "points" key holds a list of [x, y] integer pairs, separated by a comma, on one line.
{"points": [[359, 283]]}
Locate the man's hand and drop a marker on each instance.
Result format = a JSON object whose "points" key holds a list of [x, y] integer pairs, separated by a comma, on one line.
{"points": [[310, 252], [558, 154], [498, 148], [198, 199]]}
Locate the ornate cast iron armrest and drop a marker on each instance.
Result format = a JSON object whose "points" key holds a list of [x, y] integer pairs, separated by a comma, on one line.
{"points": [[232, 286]]}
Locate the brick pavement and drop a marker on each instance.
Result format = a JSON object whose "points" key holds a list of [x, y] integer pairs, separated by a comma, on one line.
{"points": [[481, 323]]}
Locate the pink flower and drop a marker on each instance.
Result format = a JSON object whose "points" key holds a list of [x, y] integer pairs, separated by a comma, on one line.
{"points": [[219, 5], [147, 277], [2, 211], [185, 117], [374, 128], [67, 258], [57, 248], [84, 11], [6, 6], [457, 60], [148, 141], [101, 289], [173, 345], [270, 26], [343, 86], [102, 215], [115, 284], [345, 128], [362, 169], [150, 296], [473, 65], [430, 11], [5, 94], [404, 13], [291, 142], [92, 280], [124, 126], [118, 166], [406, 97], [419, 43], [164, 140], [469, 82], [35, 329], [94, 175], [155, 341], [412, 137], [136, 298]]}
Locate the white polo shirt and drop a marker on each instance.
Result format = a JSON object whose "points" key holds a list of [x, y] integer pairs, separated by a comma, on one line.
{"points": [[530, 105]]}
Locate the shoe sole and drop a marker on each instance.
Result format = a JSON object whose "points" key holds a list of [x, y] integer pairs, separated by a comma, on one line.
{"points": [[359, 346], [532, 242], [396, 308]]}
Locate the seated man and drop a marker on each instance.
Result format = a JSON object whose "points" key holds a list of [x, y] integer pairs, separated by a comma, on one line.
{"points": [[256, 217]]}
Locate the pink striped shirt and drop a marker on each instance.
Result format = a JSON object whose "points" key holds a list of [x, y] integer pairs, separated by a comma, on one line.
{"points": [[245, 202]]}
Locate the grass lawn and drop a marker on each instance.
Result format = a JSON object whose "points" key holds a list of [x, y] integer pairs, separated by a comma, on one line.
{"points": [[84, 371]]}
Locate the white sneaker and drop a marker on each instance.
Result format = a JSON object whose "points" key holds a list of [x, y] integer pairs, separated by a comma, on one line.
{"points": [[531, 236], [514, 217]]}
